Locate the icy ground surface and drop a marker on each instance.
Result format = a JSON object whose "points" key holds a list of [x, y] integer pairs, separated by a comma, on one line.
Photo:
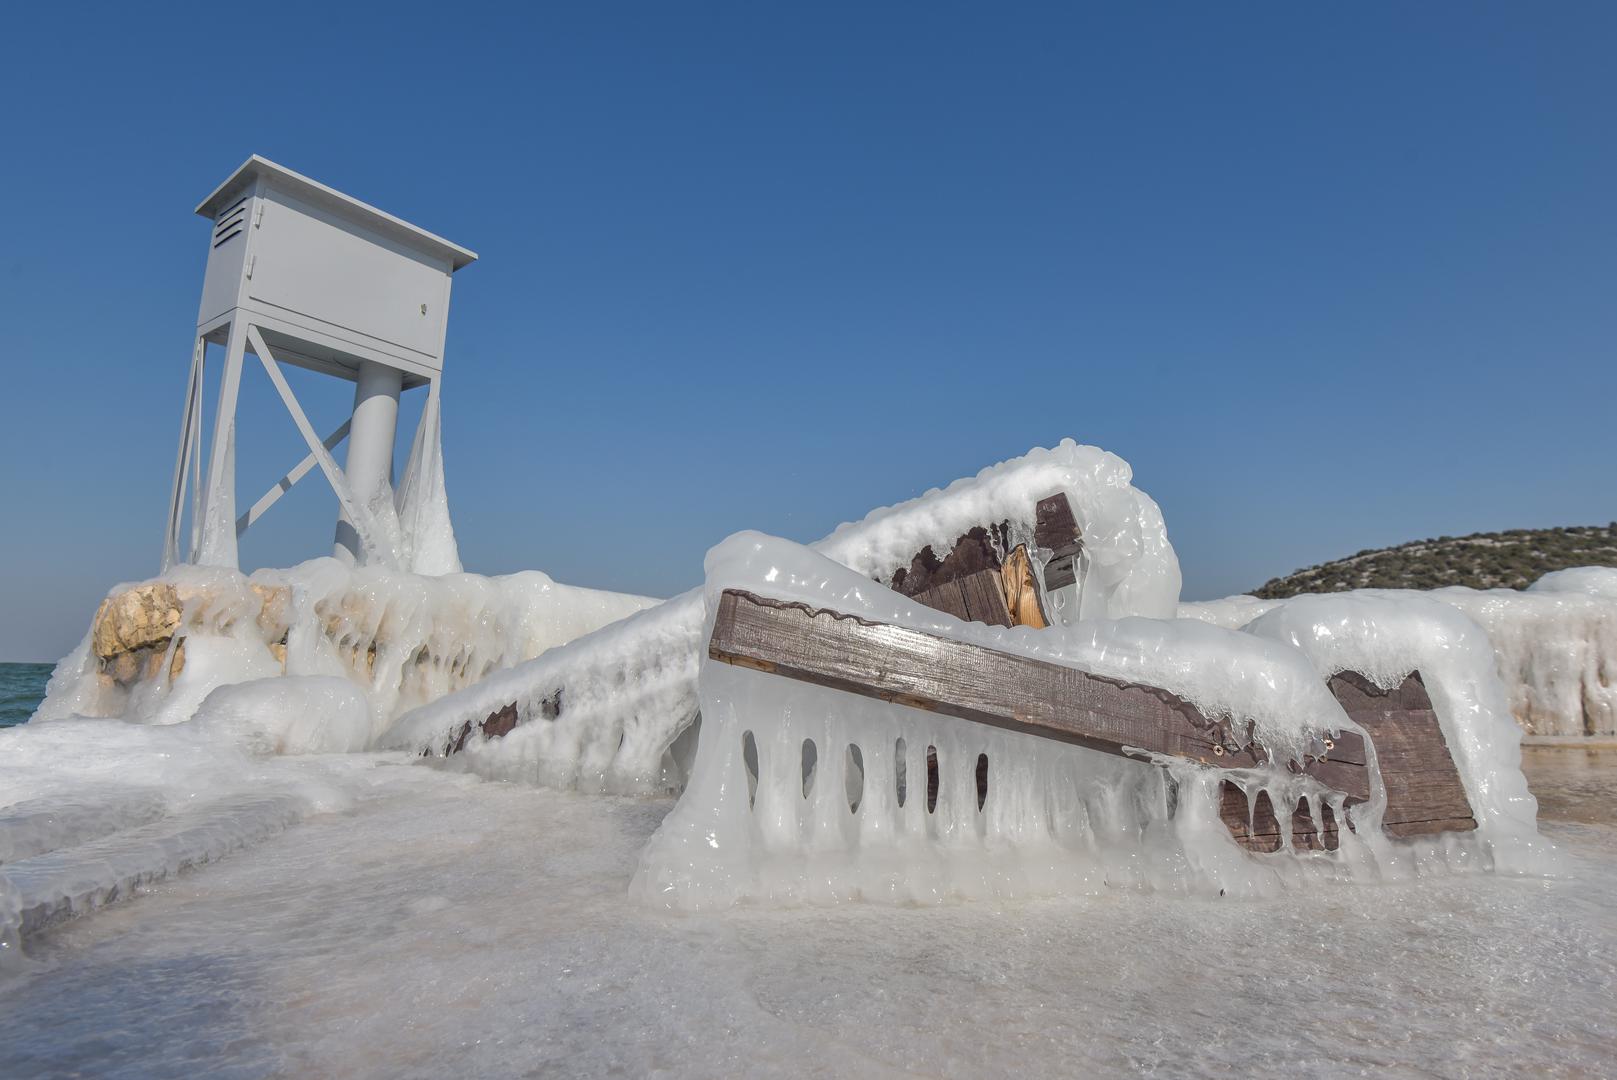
{"points": [[445, 926]]}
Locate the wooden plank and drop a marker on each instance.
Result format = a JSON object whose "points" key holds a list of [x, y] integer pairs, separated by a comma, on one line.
{"points": [[1056, 529], [984, 593], [974, 551], [1424, 792], [1424, 789], [956, 678]]}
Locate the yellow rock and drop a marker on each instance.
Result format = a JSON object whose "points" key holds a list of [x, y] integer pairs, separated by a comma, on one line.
{"points": [[139, 618]]}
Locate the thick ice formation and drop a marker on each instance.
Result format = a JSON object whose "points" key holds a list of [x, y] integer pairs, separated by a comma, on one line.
{"points": [[1555, 645], [633, 684], [769, 817], [1589, 580], [606, 708], [1385, 637], [400, 639], [290, 714]]}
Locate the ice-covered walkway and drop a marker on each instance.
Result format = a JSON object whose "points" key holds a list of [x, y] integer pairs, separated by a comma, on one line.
{"points": [[444, 926]]}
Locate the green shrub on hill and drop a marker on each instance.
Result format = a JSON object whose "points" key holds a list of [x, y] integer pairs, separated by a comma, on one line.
{"points": [[1512, 559]]}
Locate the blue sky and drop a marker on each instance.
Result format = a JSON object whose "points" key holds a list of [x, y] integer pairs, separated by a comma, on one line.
{"points": [[1330, 277]]}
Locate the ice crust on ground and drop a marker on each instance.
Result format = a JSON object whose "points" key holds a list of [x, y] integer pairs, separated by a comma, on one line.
{"points": [[91, 808], [634, 683], [1056, 819], [450, 928], [1555, 645]]}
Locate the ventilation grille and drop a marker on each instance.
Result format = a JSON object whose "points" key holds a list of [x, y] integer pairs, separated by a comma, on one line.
{"points": [[229, 225]]}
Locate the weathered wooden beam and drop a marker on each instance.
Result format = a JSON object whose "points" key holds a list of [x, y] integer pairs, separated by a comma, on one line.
{"points": [[1424, 791], [1056, 529], [974, 582], [1017, 693], [501, 722]]}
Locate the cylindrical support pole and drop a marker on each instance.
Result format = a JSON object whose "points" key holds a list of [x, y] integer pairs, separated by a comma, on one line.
{"points": [[369, 468]]}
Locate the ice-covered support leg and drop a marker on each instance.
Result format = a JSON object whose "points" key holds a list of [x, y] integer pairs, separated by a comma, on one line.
{"points": [[190, 424], [369, 467], [218, 543]]}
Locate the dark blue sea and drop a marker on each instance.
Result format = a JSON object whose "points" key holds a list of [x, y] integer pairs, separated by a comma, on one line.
{"points": [[22, 688]]}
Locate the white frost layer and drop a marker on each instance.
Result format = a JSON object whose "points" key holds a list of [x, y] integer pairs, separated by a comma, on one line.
{"points": [[653, 660], [400, 639], [1056, 818], [1555, 645]]}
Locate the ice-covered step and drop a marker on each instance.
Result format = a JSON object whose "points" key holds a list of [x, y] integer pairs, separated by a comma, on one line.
{"points": [[38, 891], [40, 825]]}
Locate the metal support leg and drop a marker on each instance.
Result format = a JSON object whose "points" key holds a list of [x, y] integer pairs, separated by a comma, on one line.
{"points": [[182, 460], [218, 546], [369, 467]]}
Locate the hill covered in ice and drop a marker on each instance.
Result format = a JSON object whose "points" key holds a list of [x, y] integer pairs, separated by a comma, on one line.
{"points": [[1512, 559]]}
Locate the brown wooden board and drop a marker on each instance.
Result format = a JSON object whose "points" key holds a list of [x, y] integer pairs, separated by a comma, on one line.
{"points": [[972, 553], [500, 723], [1056, 529], [1424, 790], [1005, 690]]}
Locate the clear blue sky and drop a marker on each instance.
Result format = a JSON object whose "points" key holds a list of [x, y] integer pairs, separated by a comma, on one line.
{"points": [[1329, 276]]}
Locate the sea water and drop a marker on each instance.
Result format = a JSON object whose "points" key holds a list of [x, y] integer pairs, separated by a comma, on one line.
{"points": [[22, 688]]}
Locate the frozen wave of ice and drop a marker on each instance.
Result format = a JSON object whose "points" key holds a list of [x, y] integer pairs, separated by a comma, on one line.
{"points": [[1555, 645]]}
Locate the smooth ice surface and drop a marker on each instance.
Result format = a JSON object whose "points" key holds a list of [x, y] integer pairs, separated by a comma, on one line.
{"points": [[633, 684], [804, 794], [445, 927], [30, 828], [1555, 645]]}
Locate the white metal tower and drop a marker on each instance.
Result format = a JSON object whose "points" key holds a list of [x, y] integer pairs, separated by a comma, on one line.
{"points": [[301, 274]]}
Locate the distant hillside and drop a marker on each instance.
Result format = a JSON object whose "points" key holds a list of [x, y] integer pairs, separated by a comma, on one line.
{"points": [[1511, 560]]}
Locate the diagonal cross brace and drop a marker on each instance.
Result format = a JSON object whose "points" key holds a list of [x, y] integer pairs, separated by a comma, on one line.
{"points": [[285, 483], [328, 464]]}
